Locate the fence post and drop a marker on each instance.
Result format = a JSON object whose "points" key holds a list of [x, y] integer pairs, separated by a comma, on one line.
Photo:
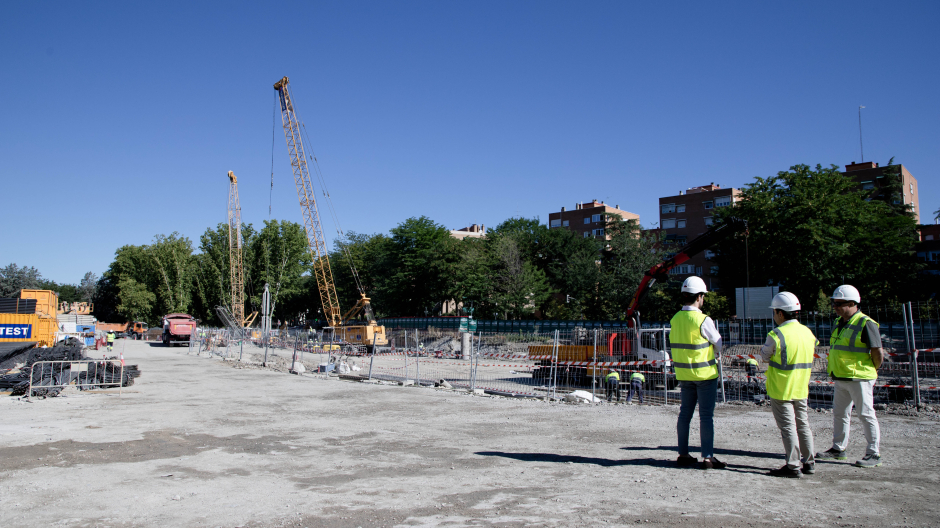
{"points": [[554, 380], [913, 356], [417, 360], [372, 359], [594, 370], [665, 370]]}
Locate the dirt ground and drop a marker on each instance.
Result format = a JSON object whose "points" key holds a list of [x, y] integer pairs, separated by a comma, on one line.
{"points": [[206, 442]]}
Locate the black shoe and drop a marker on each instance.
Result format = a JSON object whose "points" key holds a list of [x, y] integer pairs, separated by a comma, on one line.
{"points": [[809, 469], [712, 463], [831, 454], [686, 461], [785, 472]]}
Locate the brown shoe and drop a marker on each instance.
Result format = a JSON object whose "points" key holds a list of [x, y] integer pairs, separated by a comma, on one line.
{"points": [[712, 463], [686, 461]]}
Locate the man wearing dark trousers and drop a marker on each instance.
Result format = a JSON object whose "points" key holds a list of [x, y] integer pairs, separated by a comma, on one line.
{"points": [[612, 381], [636, 386]]}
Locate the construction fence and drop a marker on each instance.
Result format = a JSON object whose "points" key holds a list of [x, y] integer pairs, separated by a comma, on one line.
{"points": [[551, 360]]}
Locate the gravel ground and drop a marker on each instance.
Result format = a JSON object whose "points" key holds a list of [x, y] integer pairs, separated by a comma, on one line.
{"points": [[206, 442]]}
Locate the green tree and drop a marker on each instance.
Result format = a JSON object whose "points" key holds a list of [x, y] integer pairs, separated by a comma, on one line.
{"points": [[626, 258], [520, 287], [417, 267], [14, 278], [279, 256], [812, 229], [364, 253], [135, 300]]}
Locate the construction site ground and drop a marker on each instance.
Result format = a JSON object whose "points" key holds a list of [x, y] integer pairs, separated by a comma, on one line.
{"points": [[199, 441]]}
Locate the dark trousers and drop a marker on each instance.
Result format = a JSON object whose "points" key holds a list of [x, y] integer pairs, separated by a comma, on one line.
{"points": [[613, 388], [751, 371], [636, 387]]}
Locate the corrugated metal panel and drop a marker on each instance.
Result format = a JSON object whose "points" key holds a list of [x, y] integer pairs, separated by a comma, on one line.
{"points": [[13, 328], [47, 302], [18, 306], [758, 302]]}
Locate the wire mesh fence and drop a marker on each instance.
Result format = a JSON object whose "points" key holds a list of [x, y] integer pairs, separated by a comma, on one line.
{"points": [[551, 360]]}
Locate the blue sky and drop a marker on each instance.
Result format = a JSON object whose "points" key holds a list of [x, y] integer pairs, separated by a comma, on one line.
{"points": [[119, 120]]}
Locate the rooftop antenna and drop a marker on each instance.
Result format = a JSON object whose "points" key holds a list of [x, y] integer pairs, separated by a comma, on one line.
{"points": [[860, 147]]}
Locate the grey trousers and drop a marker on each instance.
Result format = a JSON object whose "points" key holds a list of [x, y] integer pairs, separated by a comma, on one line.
{"points": [[859, 393], [791, 417]]}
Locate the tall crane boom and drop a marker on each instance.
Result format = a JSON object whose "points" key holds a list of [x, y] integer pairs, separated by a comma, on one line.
{"points": [[236, 269], [308, 205]]}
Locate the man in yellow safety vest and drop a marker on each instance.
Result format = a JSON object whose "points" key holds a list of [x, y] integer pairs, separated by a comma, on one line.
{"points": [[612, 381], [111, 337], [789, 352], [636, 386], [694, 340], [855, 355], [751, 368]]}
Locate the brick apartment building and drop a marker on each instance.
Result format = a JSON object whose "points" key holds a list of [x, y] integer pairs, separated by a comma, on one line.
{"points": [[588, 219], [870, 176], [689, 214]]}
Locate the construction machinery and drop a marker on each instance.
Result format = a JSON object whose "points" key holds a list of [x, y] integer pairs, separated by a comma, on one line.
{"points": [[177, 327], [370, 334], [236, 266], [636, 344]]}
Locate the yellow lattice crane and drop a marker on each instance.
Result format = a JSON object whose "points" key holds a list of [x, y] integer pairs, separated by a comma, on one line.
{"points": [[236, 267], [370, 334]]}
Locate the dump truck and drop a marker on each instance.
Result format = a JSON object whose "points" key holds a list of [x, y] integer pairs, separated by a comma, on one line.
{"points": [[177, 327]]}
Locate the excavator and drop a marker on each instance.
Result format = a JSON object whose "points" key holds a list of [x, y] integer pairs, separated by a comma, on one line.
{"points": [[370, 334]]}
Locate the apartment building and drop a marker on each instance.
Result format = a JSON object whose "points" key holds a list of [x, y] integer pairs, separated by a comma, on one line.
{"points": [[689, 214], [870, 176], [588, 219], [474, 231]]}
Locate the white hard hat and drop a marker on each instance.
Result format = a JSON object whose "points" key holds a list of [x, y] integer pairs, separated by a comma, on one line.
{"points": [[846, 292], [785, 301], [694, 284]]}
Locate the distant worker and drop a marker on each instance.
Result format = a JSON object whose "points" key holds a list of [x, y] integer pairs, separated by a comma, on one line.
{"points": [[636, 386], [111, 337], [694, 340], [855, 355], [789, 351], [751, 368], [612, 380]]}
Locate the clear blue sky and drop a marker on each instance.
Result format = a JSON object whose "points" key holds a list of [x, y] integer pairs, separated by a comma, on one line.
{"points": [[119, 120]]}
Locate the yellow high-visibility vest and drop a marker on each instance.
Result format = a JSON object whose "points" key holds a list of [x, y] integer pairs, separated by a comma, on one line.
{"points": [[789, 369], [693, 356], [849, 357]]}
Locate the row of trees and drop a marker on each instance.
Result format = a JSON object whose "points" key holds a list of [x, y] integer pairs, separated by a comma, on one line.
{"points": [[809, 231], [14, 278]]}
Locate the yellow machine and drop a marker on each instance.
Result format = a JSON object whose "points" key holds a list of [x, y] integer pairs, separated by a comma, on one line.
{"points": [[370, 334], [236, 268]]}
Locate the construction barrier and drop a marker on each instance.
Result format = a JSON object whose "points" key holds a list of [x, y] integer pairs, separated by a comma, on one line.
{"points": [[48, 377]]}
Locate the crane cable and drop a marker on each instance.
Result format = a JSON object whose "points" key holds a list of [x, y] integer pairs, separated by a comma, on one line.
{"points": [[273, 138], [329, 200]]}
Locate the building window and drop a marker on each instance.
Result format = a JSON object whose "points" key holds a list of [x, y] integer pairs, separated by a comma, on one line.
{"points": [[669, 223], [680, 224], [866, 186], [708, 221], [708, 205], [682, 269], [709, 254], [928, 237], [724, 201], [713, 270], [599, 232], [565, 223], [556, 222], [667, 208], [596, 218], [587, 220], [680, 208], [587, 234]]}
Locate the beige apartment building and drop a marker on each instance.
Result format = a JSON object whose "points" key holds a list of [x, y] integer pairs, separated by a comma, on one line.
{"points": [[689, 214], [588, 219]]}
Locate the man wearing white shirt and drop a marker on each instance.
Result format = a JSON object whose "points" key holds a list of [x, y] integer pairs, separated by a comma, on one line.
{"points": [[694, 340]]}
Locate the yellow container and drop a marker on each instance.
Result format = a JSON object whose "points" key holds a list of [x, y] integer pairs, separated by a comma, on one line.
{"points": [[27, 327], [47, 302], [566, 352]]}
